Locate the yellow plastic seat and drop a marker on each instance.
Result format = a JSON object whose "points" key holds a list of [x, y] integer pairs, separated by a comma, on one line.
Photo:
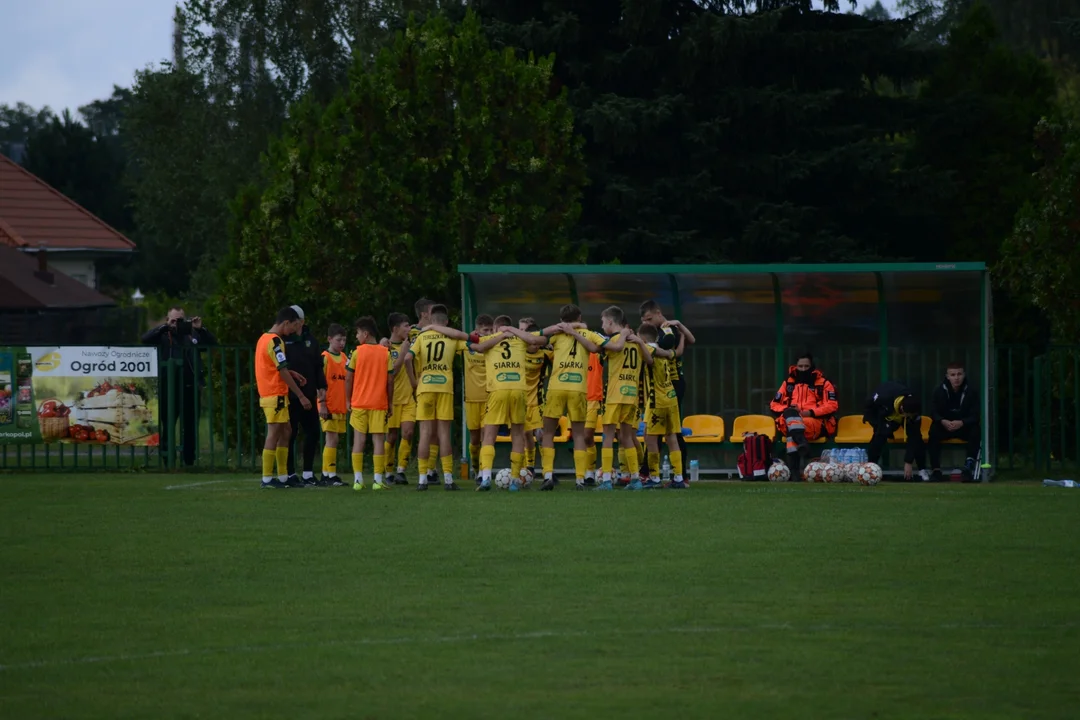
{"points": [[760, 424], [564, 430], [851, 430], [704, 428]]}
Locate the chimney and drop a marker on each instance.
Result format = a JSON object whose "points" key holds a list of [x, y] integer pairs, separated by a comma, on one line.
{"points": [[43, 273]]}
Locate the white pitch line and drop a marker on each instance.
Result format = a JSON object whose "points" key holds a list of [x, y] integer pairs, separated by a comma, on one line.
{"points": [[534, 635], [206, 482]]}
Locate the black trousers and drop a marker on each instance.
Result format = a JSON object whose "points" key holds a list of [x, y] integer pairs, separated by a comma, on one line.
{"points": [[185, 412], [969, 434], [309, 421], [680, 390], [914, 448]]}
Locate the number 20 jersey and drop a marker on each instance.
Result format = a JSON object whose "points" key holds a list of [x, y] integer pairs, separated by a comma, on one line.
{"points": [[435, 354]]}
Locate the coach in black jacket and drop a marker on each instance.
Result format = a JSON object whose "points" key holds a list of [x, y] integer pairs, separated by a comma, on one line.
{"points": [[305, 357], [891, 406], [955, 415]]}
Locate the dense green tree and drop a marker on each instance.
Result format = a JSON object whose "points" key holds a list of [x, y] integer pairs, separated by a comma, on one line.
{"points": [[17, 124], [700, 150], [1041, 259], [445, 151], [877, 11]]}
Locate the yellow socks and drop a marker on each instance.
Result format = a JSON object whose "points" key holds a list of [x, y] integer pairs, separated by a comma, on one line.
{"points": [[640, 449], [590, 459], [607, 460], [269, 458], [380, 467], [654, 464], [530, 456], [487, 458], [447, 465], [581, 463], [474, 458], [329, 461], [433, 456], [403, 449], [633, 466], [281, 454], [515, 466], [357, 466], [547, 459], [423, 464], [676, 463], [623, 465]]}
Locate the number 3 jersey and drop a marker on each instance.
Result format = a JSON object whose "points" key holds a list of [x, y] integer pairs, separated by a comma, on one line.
{"points": [[505, 364], [435, 361]]}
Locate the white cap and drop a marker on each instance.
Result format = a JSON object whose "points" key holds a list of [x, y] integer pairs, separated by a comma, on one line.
{"points": [[299, 310]]}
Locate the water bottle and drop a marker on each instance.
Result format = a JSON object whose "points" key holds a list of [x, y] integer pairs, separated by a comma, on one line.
{"points": [[665, 470], [1060, 483], [826, 456], [693, 471]]}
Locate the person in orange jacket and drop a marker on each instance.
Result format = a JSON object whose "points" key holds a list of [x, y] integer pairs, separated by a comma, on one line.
{"points": [[805, 409]]}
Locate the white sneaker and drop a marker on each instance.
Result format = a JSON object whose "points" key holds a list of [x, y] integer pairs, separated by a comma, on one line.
{"points": [[924, 476]]}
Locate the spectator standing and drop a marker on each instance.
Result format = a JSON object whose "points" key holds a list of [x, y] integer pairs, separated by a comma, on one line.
{"points": [[304, 357], [955, 414], [179, 342]]}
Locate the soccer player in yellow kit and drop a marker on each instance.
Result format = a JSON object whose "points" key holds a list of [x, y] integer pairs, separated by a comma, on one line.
{"points": [[536, 362], [401, 426], [625, 356], [423, 308], [662, 418], [567, 390], [476, 391], [504, 353]]}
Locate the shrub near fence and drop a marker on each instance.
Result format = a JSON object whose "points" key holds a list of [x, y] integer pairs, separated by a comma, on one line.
{"points": [[1036, 407]]}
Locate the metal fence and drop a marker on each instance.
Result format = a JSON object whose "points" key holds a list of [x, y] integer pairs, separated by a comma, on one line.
{"points": [[1034, 414]]}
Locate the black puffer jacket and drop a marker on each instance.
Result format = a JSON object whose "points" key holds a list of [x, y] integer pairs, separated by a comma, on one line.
{"points": [[961, 404], [305, 357]]}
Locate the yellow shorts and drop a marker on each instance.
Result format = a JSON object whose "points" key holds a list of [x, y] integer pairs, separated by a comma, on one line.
{"points": [[338, 423], [663, 420], [533, 421], [403, 413], [505, 407], [571, 404], [593, 415], [621, 415], [368, 421], [276, 408], [474, 415], [435, 406]]}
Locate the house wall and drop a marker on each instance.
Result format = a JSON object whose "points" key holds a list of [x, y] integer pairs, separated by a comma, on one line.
{"points": [[85, 271]]}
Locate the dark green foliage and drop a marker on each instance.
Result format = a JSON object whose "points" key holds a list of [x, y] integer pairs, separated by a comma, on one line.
{"points": [[445, 152]]}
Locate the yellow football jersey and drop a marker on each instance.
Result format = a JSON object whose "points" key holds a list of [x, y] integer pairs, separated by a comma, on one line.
{"points": [[403, 391], [475, 376], [623, 374], [505, 364], [434, 353], [570, 361], [661, 393], [534, 369]]}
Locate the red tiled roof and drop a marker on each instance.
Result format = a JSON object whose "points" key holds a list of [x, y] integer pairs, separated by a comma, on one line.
{"points": [[33, 214], [22, 289]]}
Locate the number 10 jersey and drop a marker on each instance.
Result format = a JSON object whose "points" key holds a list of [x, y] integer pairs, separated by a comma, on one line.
{"points": [[436, 354]]}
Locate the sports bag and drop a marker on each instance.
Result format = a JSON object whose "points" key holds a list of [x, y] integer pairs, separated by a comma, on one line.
{"points": [[756, 457]]}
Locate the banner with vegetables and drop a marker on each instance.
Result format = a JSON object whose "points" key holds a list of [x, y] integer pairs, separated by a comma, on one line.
{"points": [[102, 395]]}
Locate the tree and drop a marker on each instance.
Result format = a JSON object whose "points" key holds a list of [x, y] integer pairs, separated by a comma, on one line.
{"points": [[699, 151], [877, 11], [1041, 258], [933, 19], [445, 151], [17, 124]]}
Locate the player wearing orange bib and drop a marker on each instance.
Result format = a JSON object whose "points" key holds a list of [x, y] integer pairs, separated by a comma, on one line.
{"points": [[567, 390], [369, 388], [332, 402], [274, 380]]}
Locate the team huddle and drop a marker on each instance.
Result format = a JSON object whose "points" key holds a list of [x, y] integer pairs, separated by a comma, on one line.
{"points": [[520, 377]]}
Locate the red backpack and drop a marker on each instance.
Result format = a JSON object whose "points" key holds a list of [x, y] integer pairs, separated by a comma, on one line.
{"points": [[756, 456]]}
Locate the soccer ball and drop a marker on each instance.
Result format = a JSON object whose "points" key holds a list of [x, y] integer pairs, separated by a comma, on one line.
{"points": [[867, 473], [527, 478], [502, 479], [779, 472], [847, 472], [814, 472], [832, 473]]}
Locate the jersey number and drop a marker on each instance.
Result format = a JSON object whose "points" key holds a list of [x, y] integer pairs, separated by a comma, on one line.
{"points": [[505, 349], [436, 354], [573, 350], [631, 358]]}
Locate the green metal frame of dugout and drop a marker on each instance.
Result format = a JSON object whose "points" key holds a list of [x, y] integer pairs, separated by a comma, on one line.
{"points": [[864, 323]]}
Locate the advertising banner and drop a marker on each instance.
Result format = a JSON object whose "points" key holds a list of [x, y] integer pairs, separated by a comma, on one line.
{"points": [[101, 395]]}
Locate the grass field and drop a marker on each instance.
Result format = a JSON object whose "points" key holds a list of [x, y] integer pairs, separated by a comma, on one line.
{"points": [[130, 597]]}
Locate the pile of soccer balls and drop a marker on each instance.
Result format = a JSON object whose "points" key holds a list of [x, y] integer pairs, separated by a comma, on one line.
{"points": [[820, 472]]}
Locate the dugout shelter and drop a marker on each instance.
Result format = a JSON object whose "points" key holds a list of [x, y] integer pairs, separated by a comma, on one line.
{"points": [[864, 323]]}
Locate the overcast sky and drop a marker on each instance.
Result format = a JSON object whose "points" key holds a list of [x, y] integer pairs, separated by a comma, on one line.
{"points": [[67, 53]]}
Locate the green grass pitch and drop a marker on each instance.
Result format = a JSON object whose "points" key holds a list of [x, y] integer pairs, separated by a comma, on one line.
{"points": [[129, 597]]}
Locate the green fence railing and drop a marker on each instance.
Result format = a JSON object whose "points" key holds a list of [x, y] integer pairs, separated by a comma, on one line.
{"points": [[208, 402]]}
